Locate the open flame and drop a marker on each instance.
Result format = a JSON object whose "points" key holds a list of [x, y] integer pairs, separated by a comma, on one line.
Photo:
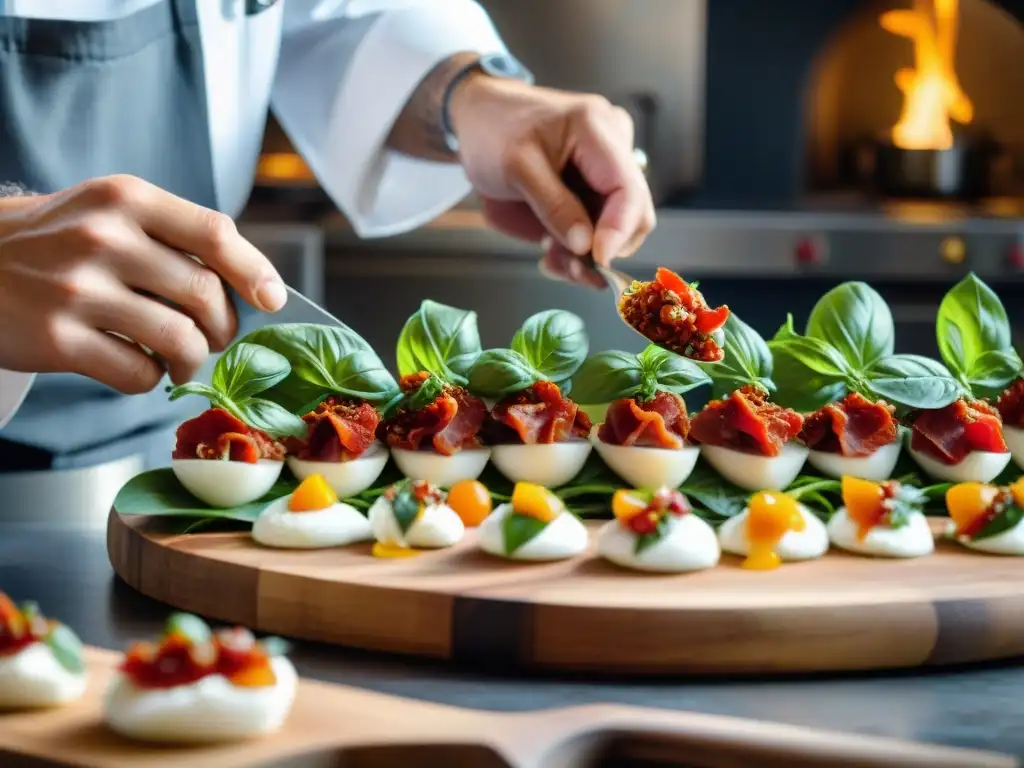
{"points": [[932, 95]]}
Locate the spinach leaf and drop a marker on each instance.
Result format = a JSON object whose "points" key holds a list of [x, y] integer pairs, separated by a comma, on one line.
{"points": [[440, 339], [519, 529], [912, 381], [247, 369], [1001, 523], [554, 343], [325, 359], [500, 372], [66, 648], [607, 376], [748, 359], [856, 321], [972, 322]]}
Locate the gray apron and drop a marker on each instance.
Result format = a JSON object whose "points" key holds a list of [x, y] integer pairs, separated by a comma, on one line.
{"points": [[86, 99]]}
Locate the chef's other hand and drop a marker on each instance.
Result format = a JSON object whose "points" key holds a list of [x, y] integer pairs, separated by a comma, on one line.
{"points": [[107, 257], [514, 142]]}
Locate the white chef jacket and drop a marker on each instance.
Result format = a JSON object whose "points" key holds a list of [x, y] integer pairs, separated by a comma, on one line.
{"points": [[336, 73]]}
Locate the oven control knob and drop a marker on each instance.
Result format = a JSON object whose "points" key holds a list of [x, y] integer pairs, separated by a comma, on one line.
{"points": [[953, 250], [809, 251], [1016, 256]]}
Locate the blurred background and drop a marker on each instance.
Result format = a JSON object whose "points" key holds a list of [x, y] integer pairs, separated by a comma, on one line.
{"points": [[791, 146]]}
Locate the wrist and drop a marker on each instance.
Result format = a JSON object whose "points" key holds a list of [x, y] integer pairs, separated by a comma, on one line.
{"points": [[479, 93]]}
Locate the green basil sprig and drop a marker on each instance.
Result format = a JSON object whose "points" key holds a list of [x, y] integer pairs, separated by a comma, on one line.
{"points": [[324, 360], [550, 346], [848, 347], [244, 371], [974, 338], [747, 360], [519, 529], [612, 375], [440, 339]]}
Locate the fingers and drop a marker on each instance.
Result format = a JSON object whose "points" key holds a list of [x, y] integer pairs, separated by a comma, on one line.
{"points": [[557, 208], [557, 263], [197, 289], [192, 229], [116, 362], [172, 335], [514, 219]]}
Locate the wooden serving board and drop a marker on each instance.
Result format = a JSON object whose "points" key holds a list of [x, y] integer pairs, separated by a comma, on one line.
{"points": [[335, 725], [841, 612]]}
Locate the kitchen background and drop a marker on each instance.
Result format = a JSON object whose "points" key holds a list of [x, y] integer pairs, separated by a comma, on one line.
{"points": [[789, 150]]}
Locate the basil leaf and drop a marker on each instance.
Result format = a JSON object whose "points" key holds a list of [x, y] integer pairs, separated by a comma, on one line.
{"points": [[519, 529], [1001, 523], [217, 399], [971, 321], [67, 648], [500, 372], [427, 393], [993, 371], [333, 359], [247, 369], [799, 388], [814, 354], [192, 628], [158, 493], [607, 376], [553, 342], [748, 359], [272, 418], [853, 319], [912, 381], [275, 646], [664, 370], [440, 339], [405, 507], [645, 541]]}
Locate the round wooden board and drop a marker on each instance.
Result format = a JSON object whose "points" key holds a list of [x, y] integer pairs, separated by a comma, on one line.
{"points": [[839, 613]]}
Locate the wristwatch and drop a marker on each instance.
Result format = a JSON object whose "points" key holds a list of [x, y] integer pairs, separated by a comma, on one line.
{"points": [[501, 65]]}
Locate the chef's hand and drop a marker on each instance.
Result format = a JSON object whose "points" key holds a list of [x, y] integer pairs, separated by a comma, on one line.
{"points": [[107, 257], [514, 142]]}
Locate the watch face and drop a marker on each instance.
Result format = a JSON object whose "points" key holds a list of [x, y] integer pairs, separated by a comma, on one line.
{"points": [[503, 65]]}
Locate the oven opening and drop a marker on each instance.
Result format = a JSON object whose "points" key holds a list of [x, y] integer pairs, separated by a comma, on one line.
{"points": [[915, 105]]}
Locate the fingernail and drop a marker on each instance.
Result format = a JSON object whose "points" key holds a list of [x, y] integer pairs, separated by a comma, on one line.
{"points": [[272, 295], [545, 243], [577, 239]]}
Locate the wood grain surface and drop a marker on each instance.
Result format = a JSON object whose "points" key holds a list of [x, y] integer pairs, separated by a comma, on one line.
{"points": [[333, 725], [842, 612]]}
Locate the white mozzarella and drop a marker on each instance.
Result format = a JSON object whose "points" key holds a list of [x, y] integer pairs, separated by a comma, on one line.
{"points": [[808, 544], [438, 526], [689, 544], [562, 538], [976, 466], [208, 710], [643, 467], [227, 484], [33, 678], [911, 540], [754, 472], [336, 526], [877, 466], [1014, 437], [549, 464], [443, 471], [346, 478]]}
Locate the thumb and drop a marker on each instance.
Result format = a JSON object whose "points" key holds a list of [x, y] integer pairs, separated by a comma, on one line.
{"points": [[552, 202]]}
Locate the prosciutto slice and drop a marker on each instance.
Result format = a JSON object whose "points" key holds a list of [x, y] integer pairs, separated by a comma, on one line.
{"points": [[339, 430], [1011, 405], [950, 433], [218, 436], [854, 426], [448, 424], [746, 421], [661, 422], [540, 414]]}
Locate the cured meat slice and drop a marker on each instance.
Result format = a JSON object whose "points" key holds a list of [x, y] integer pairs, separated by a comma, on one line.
{"points": [[674, 315], [854, 426], [1011, 405], [661, 422], [339, 430], [950, 433], [449, 423], [217, 435], [539, 414], [746, 421]]}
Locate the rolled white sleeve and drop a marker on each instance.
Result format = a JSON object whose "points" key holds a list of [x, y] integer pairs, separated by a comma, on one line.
{"points": [[13, 388], [345, 73]]}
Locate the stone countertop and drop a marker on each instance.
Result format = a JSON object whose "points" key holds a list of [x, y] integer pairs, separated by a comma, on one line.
{"points": [[66, 570]]}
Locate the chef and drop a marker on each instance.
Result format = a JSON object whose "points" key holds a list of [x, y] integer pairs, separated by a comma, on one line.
{"points": [[129, 136]]}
